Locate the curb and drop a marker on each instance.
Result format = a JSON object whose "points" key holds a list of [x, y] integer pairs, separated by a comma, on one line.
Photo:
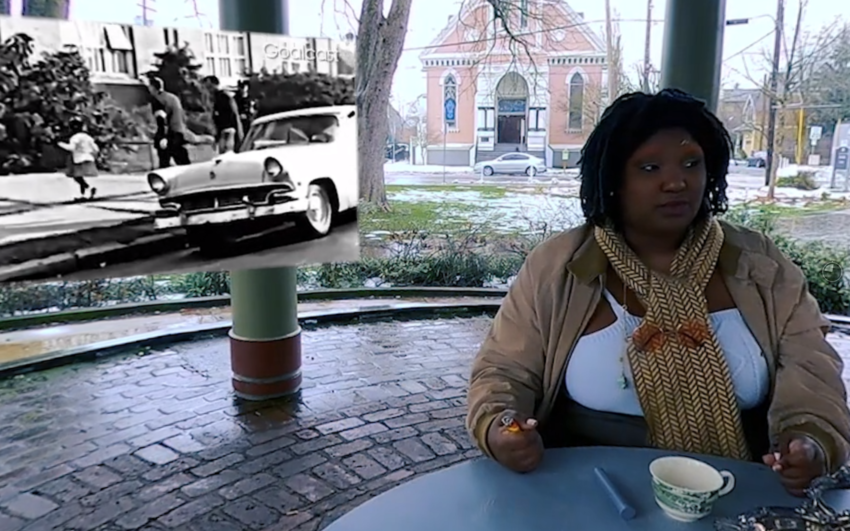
{"points": [[90, 258], [101, 349], [42, 248], [141, 308], [95, 351]]}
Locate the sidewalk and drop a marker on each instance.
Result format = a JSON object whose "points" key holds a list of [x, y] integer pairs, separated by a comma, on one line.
{"points": [[36, 206], [155, 441], [55, 188]]}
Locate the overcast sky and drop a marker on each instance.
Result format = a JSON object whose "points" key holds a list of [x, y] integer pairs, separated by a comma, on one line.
{"points": [[744, 46]]}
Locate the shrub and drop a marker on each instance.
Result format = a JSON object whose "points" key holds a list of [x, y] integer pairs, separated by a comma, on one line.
{"points": [[39, 98], [288, 92], [804, 180], [825, 267], [203, 284], [58, 296]]}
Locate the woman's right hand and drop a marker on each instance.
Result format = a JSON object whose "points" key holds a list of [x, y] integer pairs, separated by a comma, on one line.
{"points": [[521, 451]]}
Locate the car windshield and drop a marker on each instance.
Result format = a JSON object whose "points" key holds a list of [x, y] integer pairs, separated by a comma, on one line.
{"points": [[297, 130]]}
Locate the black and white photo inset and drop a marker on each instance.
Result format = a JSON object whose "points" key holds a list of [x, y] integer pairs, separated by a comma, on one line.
{"points": [[136, 150]]}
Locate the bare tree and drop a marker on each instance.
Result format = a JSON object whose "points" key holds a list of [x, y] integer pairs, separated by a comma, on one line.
{"points": [[504, 28], [415, 119], [379, 43], [646, 79], [802, 52], [830, 82], [596, 95], [380, 39]]}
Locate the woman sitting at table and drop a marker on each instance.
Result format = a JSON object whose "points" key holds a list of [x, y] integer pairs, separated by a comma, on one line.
{"points": [[656, 324]]}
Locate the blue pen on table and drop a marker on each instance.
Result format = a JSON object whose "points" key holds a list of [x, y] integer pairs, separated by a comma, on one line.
{"points": [[626, 511]]}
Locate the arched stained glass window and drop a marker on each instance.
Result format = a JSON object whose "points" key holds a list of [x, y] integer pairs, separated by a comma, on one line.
{"points": [[450, 101], [576, 103]]}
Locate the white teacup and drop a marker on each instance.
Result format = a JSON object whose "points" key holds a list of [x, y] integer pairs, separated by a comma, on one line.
{"points": [[686, 489]]}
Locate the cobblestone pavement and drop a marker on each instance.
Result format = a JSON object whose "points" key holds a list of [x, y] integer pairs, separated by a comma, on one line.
{"points": [[155, 441]]}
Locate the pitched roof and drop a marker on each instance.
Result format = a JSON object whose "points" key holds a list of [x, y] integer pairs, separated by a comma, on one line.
{"points": [[471, 5]]}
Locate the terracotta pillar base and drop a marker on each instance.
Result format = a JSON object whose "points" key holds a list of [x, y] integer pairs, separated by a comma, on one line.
{"points": [[266, 369]]}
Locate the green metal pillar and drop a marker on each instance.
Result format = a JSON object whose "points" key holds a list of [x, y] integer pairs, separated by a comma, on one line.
{"points": [[260, 16], [265, 341], [693, 47]]}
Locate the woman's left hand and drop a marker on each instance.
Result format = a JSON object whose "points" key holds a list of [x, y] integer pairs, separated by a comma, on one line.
{"points": [[799, 461]]}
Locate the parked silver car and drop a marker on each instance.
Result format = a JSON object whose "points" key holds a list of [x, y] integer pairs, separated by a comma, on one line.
{"points": [[512, 164]]}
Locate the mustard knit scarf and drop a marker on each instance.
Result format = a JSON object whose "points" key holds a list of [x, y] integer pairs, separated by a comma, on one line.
{"points": [[680, 373]]}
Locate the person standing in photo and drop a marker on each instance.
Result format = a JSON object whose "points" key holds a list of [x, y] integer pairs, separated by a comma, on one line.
{"points": [[159, 138], [245, 105], [172, 145], [228, 126], [82, 152]]}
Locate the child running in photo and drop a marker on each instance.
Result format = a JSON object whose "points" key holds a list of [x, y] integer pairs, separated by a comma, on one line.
{"points": [[81, 159]]}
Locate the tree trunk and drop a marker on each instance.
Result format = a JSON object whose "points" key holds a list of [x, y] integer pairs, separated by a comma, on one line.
{"points": [[380, 40], [778, 144]]}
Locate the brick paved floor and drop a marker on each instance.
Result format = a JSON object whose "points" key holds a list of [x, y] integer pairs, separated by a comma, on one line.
{"points": [[155, 441]]}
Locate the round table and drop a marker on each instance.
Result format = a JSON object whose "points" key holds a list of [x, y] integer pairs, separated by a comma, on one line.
{"points": [[481, 495]]}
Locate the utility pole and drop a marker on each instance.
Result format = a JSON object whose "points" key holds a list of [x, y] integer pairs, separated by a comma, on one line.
{"points": [[769, 169], [647, 64], [146, 18], [613, 75]]}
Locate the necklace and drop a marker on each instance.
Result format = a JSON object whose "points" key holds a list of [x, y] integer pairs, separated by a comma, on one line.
{"points": [[623, 380]]}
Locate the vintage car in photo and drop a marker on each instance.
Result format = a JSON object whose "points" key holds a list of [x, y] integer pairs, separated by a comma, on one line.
{"points": [[296, 166]]}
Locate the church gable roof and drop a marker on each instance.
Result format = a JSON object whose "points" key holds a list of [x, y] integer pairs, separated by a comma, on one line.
{"points": [[452, 36]]}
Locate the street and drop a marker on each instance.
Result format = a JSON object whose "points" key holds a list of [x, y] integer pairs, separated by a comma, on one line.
{"points": [[39, 220], [341, 245], [739, 176], [403, 174]]}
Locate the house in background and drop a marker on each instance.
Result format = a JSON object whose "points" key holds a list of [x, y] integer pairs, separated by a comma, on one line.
{"points": [[483, 101], [744, 113]]}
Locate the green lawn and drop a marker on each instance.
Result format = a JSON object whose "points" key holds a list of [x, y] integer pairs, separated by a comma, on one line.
{"points": [[439, 214]]}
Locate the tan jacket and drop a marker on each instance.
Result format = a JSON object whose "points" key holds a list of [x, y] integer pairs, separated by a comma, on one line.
{"points": [[523, 359]]}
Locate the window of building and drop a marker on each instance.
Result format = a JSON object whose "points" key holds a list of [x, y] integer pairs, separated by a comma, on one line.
{"points": [[226, 55], [450, 93], [172, 38], [523, 14], [486, 118], [576, 103], [111, 52], [537, 119]]}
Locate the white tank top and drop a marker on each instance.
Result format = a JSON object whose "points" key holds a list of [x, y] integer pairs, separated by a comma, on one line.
{"points": [[598, 370]]}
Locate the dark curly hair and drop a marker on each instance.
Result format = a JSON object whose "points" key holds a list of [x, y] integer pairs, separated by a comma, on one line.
{"points": [[629, 122]]}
